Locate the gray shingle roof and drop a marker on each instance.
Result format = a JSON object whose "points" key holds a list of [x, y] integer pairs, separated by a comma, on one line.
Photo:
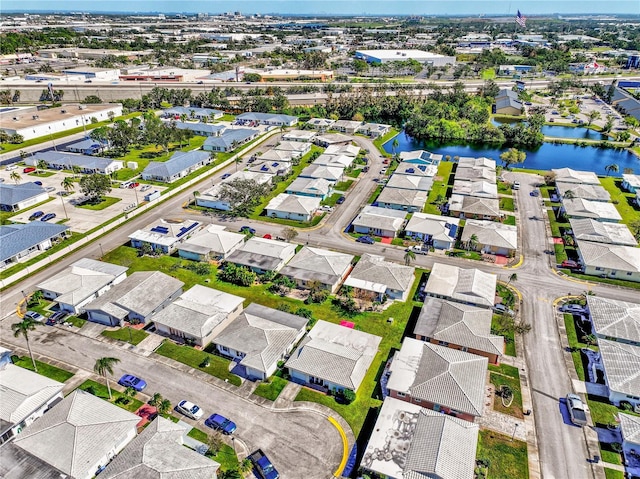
{"points": [[621, 258], [586, 192], [615, 319], [67, 160], [630, 427], [568, 175], [471, 205], [491, 233], [440, 228], [588, 229], [78, 432], [13, 194], [158, 453], [460, 324], [622, 366], [200, 127], [318, 264], [380, 218], [463, 285], [15, 239], [335, 353], [183, 110], [440, 375], [395, 276], [263, 334], [227, 139], [403, 197], [270, 117], [180, 161], [262, 253], [303, 205]]}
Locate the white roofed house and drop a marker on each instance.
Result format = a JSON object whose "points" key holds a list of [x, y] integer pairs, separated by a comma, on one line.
{"points": [[19, 241], [464, 206], [262, 254], [349, 127], [333, 357], [631, 182], [379, 221], [491, 237], [375, 275], [478, 189], [299, 135], [584, 192], [277, 168], [374, 130], [329, 173], [321, 124], [597, 210], [405, 168], [468, 286], [198, 315], [179, 165], [230, 139], [276, 155], [26, 396], [476, 173], [401, 199], [313, 187], [329, 139], [610, 260], [588, 229], [297, 149], [434, 230], [568, 175], [293, 207], [136, 299], [80, 283], [314, 265], [346, 150], [164, 236], [259, 338], [615, 320], [630, 430], [621, 363], [339, 161], [420, 157], [446, 380], [473, 162], [409, 441], [272, 119], [410, 182], [211, 242]]}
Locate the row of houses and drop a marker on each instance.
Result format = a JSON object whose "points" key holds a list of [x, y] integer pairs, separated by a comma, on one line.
{"points": [[349, 127], [475, 192]]}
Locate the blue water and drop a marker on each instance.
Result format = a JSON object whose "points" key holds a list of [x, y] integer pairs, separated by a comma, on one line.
{"points": [[545, 157], [558, 131]]}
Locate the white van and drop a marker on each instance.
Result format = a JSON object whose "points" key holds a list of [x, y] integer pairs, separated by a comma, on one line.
{"points": [[126, 184], [11, 167]]}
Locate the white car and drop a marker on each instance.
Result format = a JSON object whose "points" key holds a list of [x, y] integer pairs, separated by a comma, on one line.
{"points": [[189, 409], [516, 185], [573, 308]]}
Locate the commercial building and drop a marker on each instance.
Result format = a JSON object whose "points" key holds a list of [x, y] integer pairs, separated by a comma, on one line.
{"points": [[179, 165], [18, 241], [388, 56], [19, 197]]}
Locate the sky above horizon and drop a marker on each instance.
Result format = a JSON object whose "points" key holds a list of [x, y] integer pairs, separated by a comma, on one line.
{"points": [[335, 7]]}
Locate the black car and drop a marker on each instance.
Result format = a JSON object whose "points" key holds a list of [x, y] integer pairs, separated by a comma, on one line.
{"points": [[365, 240], [56, 318], [48, 216], [35, 215], [247, 229], [340, 200]]}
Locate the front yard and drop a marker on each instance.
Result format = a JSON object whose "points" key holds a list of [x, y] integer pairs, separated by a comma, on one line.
{"points": [[575, 343], [127, 335], [507, 459], [441, 188], [621, 199], [505, 375], [119, 399], [52, 372], [271, 389]]}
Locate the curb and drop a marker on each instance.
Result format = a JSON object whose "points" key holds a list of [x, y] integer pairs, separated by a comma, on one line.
{"points": [[345, 447]]}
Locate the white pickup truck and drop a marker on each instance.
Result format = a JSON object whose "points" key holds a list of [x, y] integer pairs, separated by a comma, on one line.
{"points": [[576, 410]]}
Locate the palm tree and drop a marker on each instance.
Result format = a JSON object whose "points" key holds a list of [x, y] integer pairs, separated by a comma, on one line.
{"points": [[472, 243], [395, 145], [163, 407], [15, 176], [104, 366], [512, 277], [36, 297], [245, 465], [155, 400], [569, 195], [594, 115], [195, 196], [23, 328], [41, 165], [409, 256], [611, 167]]}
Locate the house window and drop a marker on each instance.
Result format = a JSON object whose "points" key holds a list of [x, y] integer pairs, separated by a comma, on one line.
{"points": [[225, 349], [464, 348], [629, 273], [417, 400], [599, 269], [613, 273], [401, 395], [443, 343]]}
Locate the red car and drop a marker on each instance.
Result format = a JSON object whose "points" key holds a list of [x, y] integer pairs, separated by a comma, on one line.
{"points": [[267, 236], [29, 169], [134, 185]]}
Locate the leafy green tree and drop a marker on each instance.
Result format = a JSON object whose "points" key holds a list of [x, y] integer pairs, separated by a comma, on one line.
{"points": [[104, 367], [612, 167], [409, 256], [593, 116], [95, 186], [23, 328], [512, 156], [243, 195], [163, 407], [289, 233]]}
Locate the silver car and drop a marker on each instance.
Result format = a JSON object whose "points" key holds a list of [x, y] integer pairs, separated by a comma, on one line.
{"points": [[189, 409]]}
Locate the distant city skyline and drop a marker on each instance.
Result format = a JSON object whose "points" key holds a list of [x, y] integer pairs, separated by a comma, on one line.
{"points": [[335, 7]]}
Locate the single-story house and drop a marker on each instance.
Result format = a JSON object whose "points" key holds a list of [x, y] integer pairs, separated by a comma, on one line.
{"points": [[314, 265], [329, 173], [321, 124], [374, 130], [211, 242], [401, 199], [434, 230], [57, 160], [468, 286], [346, 150], [615, 320], [20, 240], [478, 189], [88, 146], [262, 254], [159, 452], [350, 127], [420, 157], [630, 182], [271, 119], [443, 379], [200, 129], [379, 221], [339, 161], [276, 168], [136, 299], [296, 148], [259, 177], [80, 435], [164, 236], [207, 114], [26, 396], [475, 162], [621, 363], [568, 175], [299, 135], [610, 260], [588, 229], [198, 315], [474, 207], [459, 326], [416, 170], [581, 208], [630, 430], [19, 197], [276, 155], [491, 237], [506, 102], [378, 277], [327, 139], [293, 207], [476, 173], [230, 139], [80, 283], [212, 198], [585, 192], [410, 441], [314, 187], [179, 165], [333, 357], [259, 338], [410, 182]]}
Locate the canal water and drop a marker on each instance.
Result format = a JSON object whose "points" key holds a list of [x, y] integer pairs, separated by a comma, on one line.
{"points": [[545, 157], [558, 131]]}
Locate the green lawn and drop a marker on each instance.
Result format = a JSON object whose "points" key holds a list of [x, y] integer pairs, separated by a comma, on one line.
{"points": [[463, 253], [506, 204], [127, 334], [218, 367], [331, 200], [105, 202], [52, 372], [440, 187], [488, 74], [510, 220], [354, 173], [597, 279], [375, 194], [508, 459], [76, 321], [225, 456], [613, 474], [621, 199], [272, 389], [42, 174], [509, 337], [609, 455], [504, 188], [575, 342], [379, 142], [509, 376], [343, 185], [101, 391], [603, 412]]}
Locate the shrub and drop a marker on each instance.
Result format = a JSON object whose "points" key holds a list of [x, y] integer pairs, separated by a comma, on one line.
{"points": [[238, 275], [349, 396]]}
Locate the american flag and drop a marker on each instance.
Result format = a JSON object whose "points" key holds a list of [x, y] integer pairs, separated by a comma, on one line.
{"points": [[521, 20]]}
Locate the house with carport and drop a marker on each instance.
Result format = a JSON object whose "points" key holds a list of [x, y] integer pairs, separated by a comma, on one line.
{"points": [[349, 127], [584, 192], [346, 150], [296, 149], [588, 229], [597, 210], [19, 241], [313, 187], [464, 206], [490, 237], [631, 182], [433, 230], [329, 173], [401, 199], [614, 320], [259, 338], [164, 236], [19, 197], [321, 124], [621, 364], [213, 242], [293, 207], [630, 431], [323, 267], [178, 166], [410, 182], [262, 254], [373, 220], [381, 279], [299, 135], [569, 175], [609, 260]]}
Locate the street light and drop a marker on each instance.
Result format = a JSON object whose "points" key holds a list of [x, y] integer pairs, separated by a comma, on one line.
{"points": [[515, 427], [101, 251]]}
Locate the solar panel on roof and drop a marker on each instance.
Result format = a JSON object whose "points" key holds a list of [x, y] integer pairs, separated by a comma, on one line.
{"points": [[274, 164], [185, 229], [410, 170], [160, 229]]}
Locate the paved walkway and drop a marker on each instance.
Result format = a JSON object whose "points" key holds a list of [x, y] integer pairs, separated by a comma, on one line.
{"points": [[149, 344], [287, 396], [92, 330]]}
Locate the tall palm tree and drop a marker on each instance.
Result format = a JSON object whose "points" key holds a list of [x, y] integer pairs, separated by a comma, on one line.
{"points": [[409, 256], [512, 277], [472, 243], [195, 196], [612, 167], [394, 145], [163, 407], [23, 328], [15, 176], [41, 165], [104, 366]]}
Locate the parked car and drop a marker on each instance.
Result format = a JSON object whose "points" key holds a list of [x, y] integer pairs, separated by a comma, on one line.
{"points": [[189, 409], [135, 184], [263, 465], [11, 167], [39, 183], [573, 308], [385, 161], [576, 410], [34, 316], [365, 240], [568, 263], [365, 169], [501, 308], [534, 193], [383, 171], [225, 176], [131, 381], [417, 249], [48, 216], [145, 187], [340, 200], [220, 423], [267, 236], [35, 215], [1, 180], [29, 169], [126, 184], [56, 318], [49, 189], [247, 229], [516, 185], [528, 103]]}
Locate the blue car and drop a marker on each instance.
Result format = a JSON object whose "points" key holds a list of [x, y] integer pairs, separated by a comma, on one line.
{"points": [[220, 423], [365, 240], [340, 200], [48, 216], [36, 215], [248, 229], [130, 381]]}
